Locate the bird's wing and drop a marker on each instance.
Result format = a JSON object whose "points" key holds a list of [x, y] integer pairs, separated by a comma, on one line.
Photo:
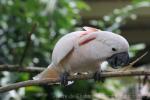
{"points": [[66, 44]]}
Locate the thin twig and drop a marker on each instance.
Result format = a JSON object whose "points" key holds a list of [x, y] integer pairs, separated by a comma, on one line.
{"points": [[135, 61], [27, 44], [76, 77]]}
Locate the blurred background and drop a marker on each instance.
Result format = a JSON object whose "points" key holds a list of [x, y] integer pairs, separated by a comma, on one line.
{"points": [[29, 30]]}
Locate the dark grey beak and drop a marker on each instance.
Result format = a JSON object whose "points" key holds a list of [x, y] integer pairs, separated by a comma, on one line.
{"points": [[119, 59]]}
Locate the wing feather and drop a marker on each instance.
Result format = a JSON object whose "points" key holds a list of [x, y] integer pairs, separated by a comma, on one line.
{"points": [[67, 43], [64, 46]]}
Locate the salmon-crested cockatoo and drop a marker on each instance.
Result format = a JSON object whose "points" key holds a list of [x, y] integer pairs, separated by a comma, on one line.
{"points": [[84, 51]]}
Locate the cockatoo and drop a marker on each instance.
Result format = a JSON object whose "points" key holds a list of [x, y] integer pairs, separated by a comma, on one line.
{"points": [[84, 51]]}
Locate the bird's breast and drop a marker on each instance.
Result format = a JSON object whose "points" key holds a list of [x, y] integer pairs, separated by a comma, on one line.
{"points": [[77, 62]]}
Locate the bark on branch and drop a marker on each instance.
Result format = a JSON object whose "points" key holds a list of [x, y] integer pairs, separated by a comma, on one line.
{"points": [[77, 77]]}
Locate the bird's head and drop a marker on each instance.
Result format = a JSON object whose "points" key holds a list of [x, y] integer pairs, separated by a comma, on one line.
{"points": [[116, 49], [108, 46]]}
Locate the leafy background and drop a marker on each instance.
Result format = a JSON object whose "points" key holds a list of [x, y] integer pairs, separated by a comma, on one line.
{"points": [[53, 19]]}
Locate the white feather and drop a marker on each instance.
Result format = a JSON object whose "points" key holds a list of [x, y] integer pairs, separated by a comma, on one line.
{"points": [[64, 46]]}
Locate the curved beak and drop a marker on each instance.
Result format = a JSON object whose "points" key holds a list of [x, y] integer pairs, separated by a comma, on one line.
{"points": [[119, 59]]}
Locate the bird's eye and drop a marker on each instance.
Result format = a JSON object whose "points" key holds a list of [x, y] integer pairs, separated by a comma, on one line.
{"points": [[114, 49]]}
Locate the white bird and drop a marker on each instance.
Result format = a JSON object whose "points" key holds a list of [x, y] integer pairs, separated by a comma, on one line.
{"points": [[84, 51]]}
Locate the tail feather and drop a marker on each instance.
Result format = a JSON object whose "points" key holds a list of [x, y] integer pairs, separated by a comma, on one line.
{"points": [[48, 73]]}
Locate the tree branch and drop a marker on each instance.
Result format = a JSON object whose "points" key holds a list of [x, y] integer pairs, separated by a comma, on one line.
{"points": [[76, 77], [27, 43], [17, 68]]}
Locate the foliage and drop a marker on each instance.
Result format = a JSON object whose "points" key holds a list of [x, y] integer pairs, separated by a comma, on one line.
{"points": [[17, 17], [53, 18]]}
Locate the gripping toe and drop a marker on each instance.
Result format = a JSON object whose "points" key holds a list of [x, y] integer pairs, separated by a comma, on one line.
{"points": [[98, 77], [64, 78]]}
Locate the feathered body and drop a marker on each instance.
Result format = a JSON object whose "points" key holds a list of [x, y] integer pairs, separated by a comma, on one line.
{"points": [[83, 51]]}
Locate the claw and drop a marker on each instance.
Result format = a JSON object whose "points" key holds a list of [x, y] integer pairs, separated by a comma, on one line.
{"points": [[97, 76], [64, 78]]}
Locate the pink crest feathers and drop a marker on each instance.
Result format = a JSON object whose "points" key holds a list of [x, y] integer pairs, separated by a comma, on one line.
{"points": [[87, 38]]}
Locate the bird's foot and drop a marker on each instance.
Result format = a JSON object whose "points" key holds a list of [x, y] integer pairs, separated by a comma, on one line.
{"points": [[98, 77], [64, 78]]}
